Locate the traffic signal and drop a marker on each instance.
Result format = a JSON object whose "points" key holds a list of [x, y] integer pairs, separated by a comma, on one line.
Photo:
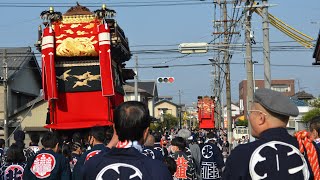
{"points": [[165, 80]]}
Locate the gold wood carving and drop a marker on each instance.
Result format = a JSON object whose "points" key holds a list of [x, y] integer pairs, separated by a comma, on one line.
{"points": [[76, 47], [75, 25], [89, 26], [81, 32], [77, 19], [69, 31]]}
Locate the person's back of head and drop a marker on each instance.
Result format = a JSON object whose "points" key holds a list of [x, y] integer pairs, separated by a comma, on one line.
{"points": [[150, 141], [76, 147], [76, 137], [2, 143], [67, 150], [108, 134], [131, 120], [35, 138], [211, 137], [179, 142], [271, 109], [314, 126], [184, 133], [15, 154], [19, 137], [157, 137], [98, 133], [50, 141]]}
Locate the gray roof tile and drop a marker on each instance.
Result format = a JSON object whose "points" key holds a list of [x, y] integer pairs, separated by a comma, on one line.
{"points": [[16, 58]]}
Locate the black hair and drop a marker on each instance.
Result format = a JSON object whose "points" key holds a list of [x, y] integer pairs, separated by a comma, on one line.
{"points": [[75, 146], [76, 137], [15, 154], [109, 134], [179, 142], [49, 140], [131, 118], [66, 151], [171, 164], [2, 142], [98, 133], [210, 135], [314, 123], [35, 138], [157, 136]]}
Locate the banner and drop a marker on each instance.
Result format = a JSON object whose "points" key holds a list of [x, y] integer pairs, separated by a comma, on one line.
{"points": [[48, 65]]}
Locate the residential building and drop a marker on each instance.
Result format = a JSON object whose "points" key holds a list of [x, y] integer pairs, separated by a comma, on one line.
{"points": [[23, 83], [147, 93], [166, 106], [235, 111], [286, 86], [296, 123], [169, 98]]}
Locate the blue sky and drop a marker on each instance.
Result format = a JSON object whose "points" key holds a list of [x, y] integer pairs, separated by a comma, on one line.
{"points": [[168, 26]]}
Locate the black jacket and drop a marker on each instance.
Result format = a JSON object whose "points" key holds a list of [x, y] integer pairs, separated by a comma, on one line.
{"points": [[124, 163], [47, 165], [275, 155], [97, 149]]}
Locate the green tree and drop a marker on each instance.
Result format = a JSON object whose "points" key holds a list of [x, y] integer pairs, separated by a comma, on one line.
{"points": [[242, 123], [311, 114], [170, 121], [314, 112], [315, 103], [155, 126]]}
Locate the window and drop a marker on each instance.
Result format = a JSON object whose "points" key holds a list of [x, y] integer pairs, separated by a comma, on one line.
{"points": [[281, 88], [291, 123]]}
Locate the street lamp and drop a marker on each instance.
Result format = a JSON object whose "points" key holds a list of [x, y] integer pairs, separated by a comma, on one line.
{"points": [[189, 48]]}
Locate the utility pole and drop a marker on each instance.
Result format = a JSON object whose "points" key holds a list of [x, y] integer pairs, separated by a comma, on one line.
{"points": [[136, 79], [266, 45], [216, 95], [227, 72], [216, 76], [180, 107], [249, 63], [5, 97]]}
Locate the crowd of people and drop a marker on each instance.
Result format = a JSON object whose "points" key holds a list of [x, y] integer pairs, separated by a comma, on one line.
{"points": [[130, 150]]}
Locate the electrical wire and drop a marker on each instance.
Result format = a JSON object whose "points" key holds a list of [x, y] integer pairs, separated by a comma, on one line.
{"points": [[6, 5]]}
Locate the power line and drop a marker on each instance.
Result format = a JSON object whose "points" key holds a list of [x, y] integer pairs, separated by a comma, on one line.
{"points": [[124, 2], [210, 64], [14, 5]]}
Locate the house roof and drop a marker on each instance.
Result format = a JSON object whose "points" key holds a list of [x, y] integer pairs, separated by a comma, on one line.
{"points": [[17, 58], [303, 95], [299, 102], [148, 86], [130, 89], [163, 101]]}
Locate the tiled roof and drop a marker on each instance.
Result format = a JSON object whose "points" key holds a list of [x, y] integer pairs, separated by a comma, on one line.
{"points": [[303, 95], [148, 86], [298, 102], [17, 58]]}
